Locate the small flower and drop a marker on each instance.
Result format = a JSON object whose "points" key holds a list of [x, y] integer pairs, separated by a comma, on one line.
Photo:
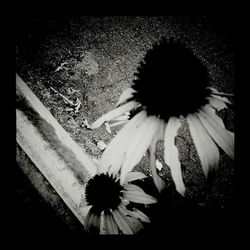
{"points": [[171, 83], [109, 203]]}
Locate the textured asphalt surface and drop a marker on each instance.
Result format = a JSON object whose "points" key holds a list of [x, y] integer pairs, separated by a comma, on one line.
{"points": [[101, 55]]}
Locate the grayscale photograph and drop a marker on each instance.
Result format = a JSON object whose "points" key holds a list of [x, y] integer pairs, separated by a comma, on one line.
{"points": [[125, 124]]}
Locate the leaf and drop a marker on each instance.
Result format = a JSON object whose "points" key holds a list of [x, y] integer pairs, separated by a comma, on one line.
{"points": [[115, 124]]}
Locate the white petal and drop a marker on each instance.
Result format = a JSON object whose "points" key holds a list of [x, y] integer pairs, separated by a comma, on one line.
{"points": [[138, 197], [114, 153], [118, 123], [121, 222], [213, 125], [127, 94], [136, 213], [114, 113], [92, 221], [132, 187], [159, 135], [219, 95], [102, 225], [133, 222], [171, 155], [158, 181], [206, 148], [211, 112], [215, 91], [220, 98], [87, 223], [216, 103], [133, 176], [139, 145], [120, 118], [110, 225]]}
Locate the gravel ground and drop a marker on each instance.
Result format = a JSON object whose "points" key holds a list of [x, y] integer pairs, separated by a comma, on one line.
{"points": [[98, 56]]}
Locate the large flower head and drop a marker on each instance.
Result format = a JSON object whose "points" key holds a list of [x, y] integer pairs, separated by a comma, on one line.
{"points": [[172, 82], [111, 205]]}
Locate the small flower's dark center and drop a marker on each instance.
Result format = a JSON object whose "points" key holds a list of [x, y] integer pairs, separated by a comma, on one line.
{"points": [[103, 192], [172, 81]]}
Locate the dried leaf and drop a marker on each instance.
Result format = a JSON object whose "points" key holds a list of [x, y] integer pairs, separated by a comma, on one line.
{"points": [[86, 124], [46, 94], [61, 67], [69, 109], [78, 105], [71, 91]]}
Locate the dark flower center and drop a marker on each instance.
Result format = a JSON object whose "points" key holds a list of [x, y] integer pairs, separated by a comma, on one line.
{"points": [[103, 192], [171, 81]]}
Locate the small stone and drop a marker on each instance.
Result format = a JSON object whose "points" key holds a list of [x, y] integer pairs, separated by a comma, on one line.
{"points": [[107, 127], [101, 145], [158, 165]]}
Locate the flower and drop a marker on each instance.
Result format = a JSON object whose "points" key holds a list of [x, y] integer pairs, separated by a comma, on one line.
{"points": [[171, 83], [110, 204]]}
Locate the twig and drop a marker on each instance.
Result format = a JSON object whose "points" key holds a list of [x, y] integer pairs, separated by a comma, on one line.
{"points": [[65, 98]]}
